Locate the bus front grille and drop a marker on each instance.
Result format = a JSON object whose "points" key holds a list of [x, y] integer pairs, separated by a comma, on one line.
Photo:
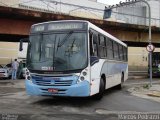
{"points": [[52, 82]]}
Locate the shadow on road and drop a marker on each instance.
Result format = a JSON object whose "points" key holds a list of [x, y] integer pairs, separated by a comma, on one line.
{"points": [[74, 101]]}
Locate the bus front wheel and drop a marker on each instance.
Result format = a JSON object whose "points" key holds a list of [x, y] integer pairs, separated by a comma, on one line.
{"points": [[99, 95]]}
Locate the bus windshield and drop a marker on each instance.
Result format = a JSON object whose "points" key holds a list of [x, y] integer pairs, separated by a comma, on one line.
{"points": [[57, 51]]}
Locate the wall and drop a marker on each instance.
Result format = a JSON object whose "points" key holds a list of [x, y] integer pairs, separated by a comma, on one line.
{"points": [[138, 58], [81, 8], [8, 52], [13, 3], [155, 12], [138, 13]]}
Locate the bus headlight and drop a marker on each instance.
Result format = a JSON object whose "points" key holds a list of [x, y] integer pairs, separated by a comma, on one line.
{"points": [[83, 76], [28, 76], [27, 72], [84, 73]]}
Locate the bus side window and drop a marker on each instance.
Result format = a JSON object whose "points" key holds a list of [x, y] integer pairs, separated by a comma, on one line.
{"points": [[95, 45], [102, 47], [125, 54], [121, 52], [91, 44], [110, 51]]}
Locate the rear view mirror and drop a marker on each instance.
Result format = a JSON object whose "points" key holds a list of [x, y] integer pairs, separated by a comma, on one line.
{"points": [[21, 43], [93, 60]]}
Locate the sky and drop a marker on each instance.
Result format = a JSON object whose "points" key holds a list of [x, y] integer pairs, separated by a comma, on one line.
{"points": [[111, 2]]}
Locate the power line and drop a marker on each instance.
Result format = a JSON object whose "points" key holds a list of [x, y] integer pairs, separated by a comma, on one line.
{"points": [[47, 5], [22, 2], [3, 3]]}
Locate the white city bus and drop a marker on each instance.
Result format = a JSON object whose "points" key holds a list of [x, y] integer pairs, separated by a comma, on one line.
{"points": [[73, 58]]}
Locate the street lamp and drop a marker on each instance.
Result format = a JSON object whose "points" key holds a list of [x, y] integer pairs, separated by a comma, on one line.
{"points": [[150, 37]]}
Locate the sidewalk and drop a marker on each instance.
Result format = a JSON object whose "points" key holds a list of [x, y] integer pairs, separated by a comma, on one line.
{"points": [[154, 91], [19, 83], [137, 74], [142, 88], [144, 91]]}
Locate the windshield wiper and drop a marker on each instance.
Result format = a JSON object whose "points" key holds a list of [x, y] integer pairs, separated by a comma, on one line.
{"points": [[58, 44], [72, 45], [54, 51], [40, 47], [65, 39]]}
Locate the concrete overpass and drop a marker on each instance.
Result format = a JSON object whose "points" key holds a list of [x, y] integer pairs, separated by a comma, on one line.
{"points": [[15, 24]]}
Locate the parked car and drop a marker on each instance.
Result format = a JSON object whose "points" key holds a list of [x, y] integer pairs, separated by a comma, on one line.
{"points": [[23, 73], [8, 68], [4, 72]]}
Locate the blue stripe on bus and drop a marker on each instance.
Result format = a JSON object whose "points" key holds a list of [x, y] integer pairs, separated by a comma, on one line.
{"points": [[81, 89]]}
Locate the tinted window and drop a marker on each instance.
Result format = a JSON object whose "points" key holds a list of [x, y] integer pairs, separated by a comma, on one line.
{"points": [[95, 45], [58, 51], [116, 55], [102, 41], [102, 47], [109, 49], [121, 52], [8, 65], [125, 53]]}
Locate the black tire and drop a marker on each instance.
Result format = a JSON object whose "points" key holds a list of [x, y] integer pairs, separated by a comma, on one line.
{"points": [[99, 95], [10, 77], [120, 86]]}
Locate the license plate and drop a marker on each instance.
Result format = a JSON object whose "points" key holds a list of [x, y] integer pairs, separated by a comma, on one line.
{"points": [[52, 90], [1, 75]]}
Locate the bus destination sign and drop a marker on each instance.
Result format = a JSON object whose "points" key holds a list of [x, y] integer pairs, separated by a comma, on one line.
{"points": [[65, 26], [39, 28]]}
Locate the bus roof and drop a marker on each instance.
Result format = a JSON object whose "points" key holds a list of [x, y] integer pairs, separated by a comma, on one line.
{"points": [[90, 25]]}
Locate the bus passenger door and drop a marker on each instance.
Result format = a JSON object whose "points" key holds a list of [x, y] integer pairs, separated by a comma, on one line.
{"points": [[94, 60]]}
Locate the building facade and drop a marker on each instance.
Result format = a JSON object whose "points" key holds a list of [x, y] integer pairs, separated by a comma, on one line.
{"points": [[137, 13], [12, 3], [80, 8], [8, 52]]}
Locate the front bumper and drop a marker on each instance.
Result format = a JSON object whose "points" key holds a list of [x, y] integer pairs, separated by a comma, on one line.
{"points": [[4, 75], [81, 89]]}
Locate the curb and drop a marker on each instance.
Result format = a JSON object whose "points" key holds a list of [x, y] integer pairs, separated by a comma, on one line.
{"points": [[154, 94], [10, 81], [137, 77]]}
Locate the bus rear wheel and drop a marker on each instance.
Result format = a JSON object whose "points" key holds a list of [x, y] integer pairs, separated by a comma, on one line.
{"points": [[99, 95], [120, 86]]}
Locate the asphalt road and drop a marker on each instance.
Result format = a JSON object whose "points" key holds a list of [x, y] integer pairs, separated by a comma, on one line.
{"points": [[13, 100]]}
